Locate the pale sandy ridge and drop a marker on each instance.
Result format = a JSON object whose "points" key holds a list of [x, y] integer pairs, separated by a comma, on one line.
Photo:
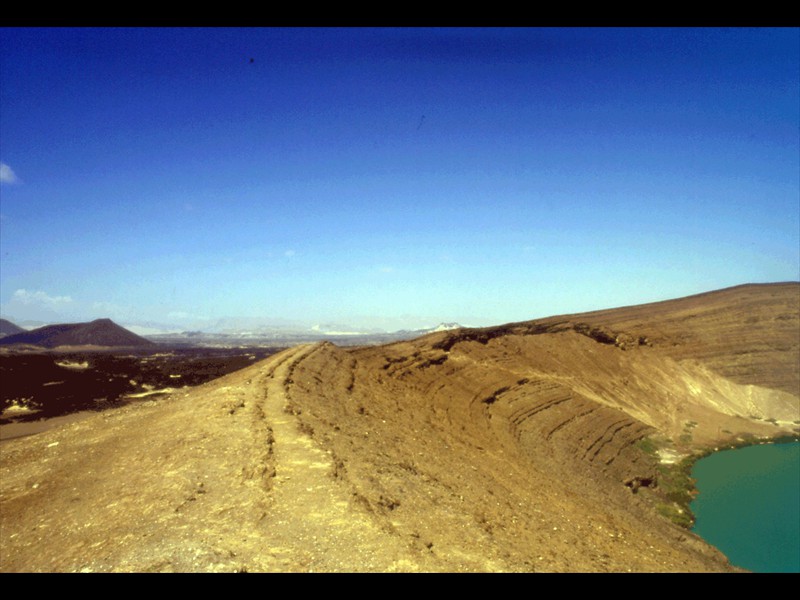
{"points": [[220, 479], [184, 488], [230, 477], [314, 522]]}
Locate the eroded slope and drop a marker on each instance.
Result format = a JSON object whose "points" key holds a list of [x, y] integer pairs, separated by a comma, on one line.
{"points": [[748, 333], [514, 448]]}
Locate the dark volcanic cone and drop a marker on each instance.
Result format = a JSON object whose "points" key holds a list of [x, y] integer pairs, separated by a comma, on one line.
{"points": [[9, 328], [101, 332]]}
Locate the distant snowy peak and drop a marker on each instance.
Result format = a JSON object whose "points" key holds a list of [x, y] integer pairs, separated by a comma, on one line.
{"points": [[328, 329], [443, 327]]}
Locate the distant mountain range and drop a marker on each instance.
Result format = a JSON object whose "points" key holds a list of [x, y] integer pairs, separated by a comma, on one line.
{"points": [[101, 332], [104, 332], [341, 335], [249, 327], [441, 327]]}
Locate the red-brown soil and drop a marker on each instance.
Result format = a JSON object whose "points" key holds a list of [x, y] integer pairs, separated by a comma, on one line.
{"points": [[515, 448]]}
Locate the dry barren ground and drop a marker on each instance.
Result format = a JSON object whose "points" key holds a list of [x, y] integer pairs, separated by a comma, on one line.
{"points": [[478, 450]]}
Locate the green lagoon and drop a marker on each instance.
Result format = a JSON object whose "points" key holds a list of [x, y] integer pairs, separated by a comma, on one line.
{"points": [[748, 505]]}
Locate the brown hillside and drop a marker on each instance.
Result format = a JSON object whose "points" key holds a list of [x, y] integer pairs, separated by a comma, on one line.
{"points": [[511, 448], [748, 333]]}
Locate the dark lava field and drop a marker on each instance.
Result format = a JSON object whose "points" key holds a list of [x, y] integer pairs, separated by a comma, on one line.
{"points": [[51, 384]]}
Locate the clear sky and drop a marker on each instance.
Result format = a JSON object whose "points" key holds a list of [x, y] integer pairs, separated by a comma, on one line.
{"points": [[391, 177]]}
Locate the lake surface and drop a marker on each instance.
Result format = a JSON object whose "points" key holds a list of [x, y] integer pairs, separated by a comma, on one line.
{"points": [[748, 505]]}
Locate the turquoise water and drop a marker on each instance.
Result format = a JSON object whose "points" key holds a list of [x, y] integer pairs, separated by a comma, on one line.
{"points": [[748, 506]]}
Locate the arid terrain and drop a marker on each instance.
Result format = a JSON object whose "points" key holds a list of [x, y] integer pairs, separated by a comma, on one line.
{"points": [[536, 446], [44, 384]]}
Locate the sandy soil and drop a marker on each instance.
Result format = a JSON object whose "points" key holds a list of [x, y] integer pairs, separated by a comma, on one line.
{"points": [[13, 430], [513, 450], [242, 474]]}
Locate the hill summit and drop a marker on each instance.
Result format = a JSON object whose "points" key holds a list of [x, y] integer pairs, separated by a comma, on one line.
{"points": [[100, 332], [9, 328]]}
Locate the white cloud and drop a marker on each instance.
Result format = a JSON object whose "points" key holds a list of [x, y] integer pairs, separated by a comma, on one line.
{"points": [[7, 174], [37, 305], [289, 253], [40, 298]]}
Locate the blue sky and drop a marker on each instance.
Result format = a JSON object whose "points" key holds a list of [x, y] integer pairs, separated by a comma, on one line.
{"points": [[391, 177]]}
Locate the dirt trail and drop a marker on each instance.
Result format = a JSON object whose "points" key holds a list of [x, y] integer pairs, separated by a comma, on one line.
{"points": [[314, 525], [221, 478]]}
